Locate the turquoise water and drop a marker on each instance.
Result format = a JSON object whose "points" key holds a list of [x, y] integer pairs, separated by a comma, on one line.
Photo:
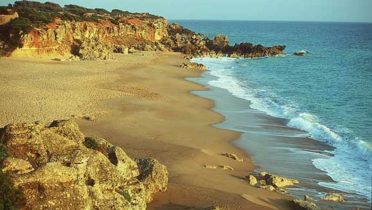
{"points": [[327, 93]]}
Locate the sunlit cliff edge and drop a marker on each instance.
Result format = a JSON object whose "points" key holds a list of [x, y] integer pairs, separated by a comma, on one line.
{"points": [[49, 30]]}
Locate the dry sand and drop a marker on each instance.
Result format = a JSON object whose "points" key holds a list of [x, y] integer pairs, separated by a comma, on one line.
{"points": [[143, 104]]}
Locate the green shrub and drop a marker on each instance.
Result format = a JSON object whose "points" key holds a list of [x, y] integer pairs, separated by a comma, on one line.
{"points": [[115, 21], [77, 10], [20, 24], [116, 12], [101, 11], [37, 17], [3, 10], [52, 7]]}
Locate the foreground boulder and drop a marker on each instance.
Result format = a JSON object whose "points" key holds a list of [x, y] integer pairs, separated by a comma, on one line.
{"points": [[56, 167]]}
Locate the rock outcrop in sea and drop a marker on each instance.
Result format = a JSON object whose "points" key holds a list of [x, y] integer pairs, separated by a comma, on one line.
{"points": [[46, 29], [57, 167], [300, 53]]}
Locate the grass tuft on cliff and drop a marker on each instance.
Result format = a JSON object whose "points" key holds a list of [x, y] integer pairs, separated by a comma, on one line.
{"points": [[40, 14]]}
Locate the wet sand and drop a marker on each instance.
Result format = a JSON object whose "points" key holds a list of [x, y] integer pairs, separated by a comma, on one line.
{"points": [[143, 104]]}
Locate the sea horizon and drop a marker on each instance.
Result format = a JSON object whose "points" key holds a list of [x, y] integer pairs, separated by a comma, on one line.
{"points": [[280, 21]]}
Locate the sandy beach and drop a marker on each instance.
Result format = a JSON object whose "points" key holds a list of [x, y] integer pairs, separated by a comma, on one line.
{"points": [[142, 103]]}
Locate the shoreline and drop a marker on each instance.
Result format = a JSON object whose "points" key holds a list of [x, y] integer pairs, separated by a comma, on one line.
{"points": [[133, 106], [274, 132]]}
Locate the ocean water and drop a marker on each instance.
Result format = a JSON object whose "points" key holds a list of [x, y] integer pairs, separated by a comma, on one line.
{"points": [[327, 93]]}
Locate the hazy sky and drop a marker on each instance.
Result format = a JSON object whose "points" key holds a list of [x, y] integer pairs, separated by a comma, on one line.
{"points": [[293, 10]]}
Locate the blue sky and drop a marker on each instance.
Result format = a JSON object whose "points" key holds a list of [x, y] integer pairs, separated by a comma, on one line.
{"points": [[281, 10]]}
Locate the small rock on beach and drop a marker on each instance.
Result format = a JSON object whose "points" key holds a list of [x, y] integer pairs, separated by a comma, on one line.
{"points": [[233, 156]]}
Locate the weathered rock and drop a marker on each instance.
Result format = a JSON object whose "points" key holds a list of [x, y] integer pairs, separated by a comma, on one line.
{"points": [[268, 187], [125, 165], [153, 175], [278, 181], [233, 156], [270, 182], [334, 197], [52, 186], [23, 141], [194, 66], [248, 50], [183, 40], [234, 55], [68, 129], [220, 42], [94, 49], [16, 166], [304, 205], [252, 180], [263, 174], [262, 182], [55, 167]]}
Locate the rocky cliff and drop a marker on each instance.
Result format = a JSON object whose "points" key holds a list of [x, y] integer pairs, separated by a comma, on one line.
{"points": [[47, 29], [56, 167]]}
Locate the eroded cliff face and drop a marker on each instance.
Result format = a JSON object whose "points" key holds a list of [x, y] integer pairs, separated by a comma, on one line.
{"points": [[66, 38], [49, 30], [56, 167]]}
